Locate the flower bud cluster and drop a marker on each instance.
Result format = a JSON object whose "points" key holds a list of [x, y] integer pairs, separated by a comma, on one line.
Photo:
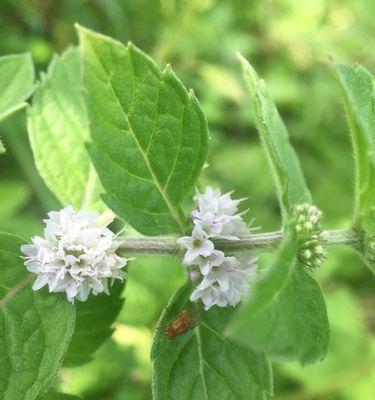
{"points": [[221, 280], [311, 252], [77, 255]]}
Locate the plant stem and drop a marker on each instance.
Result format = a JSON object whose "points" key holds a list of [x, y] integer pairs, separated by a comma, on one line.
{"points": [[260, 243]]}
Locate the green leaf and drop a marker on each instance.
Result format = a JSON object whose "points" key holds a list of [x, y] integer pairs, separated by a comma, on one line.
{"points": [[288, 175], [14, 194], [18, 143], [53, 395], [352, 366], [149, 134], [94, 318], [285, 316], [16, 84], [203, 363], [58, 129], [271, 282], [35, 328], [357, 86]]}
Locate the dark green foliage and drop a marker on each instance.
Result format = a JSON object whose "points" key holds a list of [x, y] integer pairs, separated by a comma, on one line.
{"points": [[94, 319], [203, 363], [285, 315], [36, 328]]}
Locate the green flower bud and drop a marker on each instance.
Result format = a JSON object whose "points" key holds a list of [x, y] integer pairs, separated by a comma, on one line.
{"points": [[311, 252]]}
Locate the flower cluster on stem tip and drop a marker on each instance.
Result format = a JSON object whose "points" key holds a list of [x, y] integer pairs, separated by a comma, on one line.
{"points": [[77, 255], [221, 280], [311, 252]]}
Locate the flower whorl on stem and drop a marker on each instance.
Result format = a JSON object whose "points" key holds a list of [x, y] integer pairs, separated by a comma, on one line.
{"points": [[222, 280], [77, 255]]}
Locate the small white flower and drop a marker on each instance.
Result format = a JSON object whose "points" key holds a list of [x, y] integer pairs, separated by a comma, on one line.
{"points": [[208, 222], [76, 256], [228, 206], [233, 227], [208, 202], [222, 280], [226, 284], [213, 201], [198, 244], [206, 264], [217, 215]]}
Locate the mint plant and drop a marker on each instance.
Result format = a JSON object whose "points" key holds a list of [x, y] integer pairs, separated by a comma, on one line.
{"points": [[113, 137]]}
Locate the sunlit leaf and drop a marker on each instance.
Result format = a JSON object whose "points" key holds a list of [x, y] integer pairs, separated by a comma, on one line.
{"points": [[16, 84], [149, 135], [58, 130]]}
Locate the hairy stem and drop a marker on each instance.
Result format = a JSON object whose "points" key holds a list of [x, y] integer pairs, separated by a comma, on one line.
{"points": [[260, 243]]}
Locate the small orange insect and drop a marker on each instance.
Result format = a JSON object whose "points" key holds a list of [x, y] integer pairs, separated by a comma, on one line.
{"points": [[183, 323]]}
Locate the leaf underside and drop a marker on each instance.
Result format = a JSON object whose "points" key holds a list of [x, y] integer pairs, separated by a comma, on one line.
{"points": [[149, 135], [203, 363], [35, 328]]}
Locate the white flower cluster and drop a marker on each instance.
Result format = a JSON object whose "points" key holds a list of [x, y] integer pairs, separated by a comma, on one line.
{"points": [[222, 280], [310, 237], [77, 255]]}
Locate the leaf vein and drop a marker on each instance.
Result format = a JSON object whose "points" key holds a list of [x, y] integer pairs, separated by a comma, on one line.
{"points": [[173, 212]]}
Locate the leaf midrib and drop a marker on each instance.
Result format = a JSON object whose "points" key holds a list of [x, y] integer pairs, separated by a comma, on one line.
{"points": [[156, 182], [15, 289], [90, 187], [10, 83], [201, 361]]}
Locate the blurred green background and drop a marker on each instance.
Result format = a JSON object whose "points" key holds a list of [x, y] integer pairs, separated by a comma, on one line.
{"points": [[289, 42]]}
